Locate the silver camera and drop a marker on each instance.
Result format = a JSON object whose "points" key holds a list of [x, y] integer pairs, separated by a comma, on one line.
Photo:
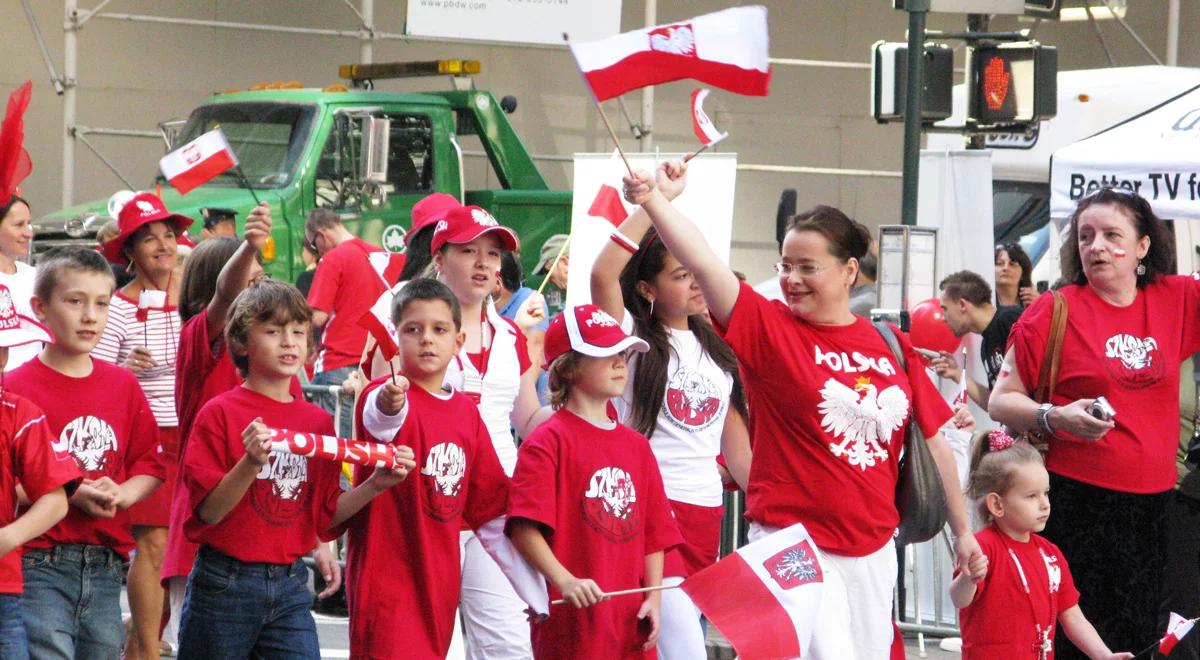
{"points": [[1101, 409]]}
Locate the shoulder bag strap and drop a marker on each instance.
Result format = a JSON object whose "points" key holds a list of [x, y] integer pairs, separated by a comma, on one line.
{"points": [[1052, 358]]}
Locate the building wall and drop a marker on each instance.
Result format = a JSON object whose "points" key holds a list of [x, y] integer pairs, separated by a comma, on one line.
{"points": [[132, 75]]}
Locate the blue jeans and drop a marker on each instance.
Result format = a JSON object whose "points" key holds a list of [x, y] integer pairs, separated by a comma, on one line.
{"points": [[72, 602], [13, 644], [344, 422], [237, 609]]}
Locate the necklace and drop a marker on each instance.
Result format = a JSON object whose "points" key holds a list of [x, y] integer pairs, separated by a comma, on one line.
{"points": [[1043, 643]]}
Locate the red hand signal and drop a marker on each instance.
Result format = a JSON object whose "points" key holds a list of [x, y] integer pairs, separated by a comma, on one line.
{"points": [[996, 81]]}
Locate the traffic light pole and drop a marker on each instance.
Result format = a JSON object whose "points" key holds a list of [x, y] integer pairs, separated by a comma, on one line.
{"points": [[913, 95]]}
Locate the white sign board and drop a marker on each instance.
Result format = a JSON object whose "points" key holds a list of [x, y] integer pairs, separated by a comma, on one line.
{"points": [[520, 21], [1156, 155], [707, 201]]}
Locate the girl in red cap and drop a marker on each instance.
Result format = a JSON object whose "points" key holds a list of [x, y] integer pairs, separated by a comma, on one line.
{"points": [[143, 335]]}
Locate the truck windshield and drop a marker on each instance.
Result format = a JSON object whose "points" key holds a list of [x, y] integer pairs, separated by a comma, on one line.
{"points": [[268, 138]]}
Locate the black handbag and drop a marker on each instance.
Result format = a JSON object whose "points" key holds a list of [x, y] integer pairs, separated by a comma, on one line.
{"points": [[920, 495]]}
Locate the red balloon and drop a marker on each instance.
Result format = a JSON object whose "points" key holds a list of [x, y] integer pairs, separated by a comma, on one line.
{"points": [[929, 330]]}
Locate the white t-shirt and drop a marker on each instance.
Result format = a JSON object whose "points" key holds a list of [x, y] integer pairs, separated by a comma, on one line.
{"points": [[691, 420], [20, 285]]}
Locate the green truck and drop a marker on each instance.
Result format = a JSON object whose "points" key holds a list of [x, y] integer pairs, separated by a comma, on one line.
{"points": [[368, 155]]}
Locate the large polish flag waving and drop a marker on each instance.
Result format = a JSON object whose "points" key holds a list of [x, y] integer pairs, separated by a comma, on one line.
{"points": [[726, 49], [198, 161], [764, 596]]}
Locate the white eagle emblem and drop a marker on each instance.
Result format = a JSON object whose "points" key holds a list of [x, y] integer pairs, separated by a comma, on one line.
{"points": [[674, 39], [483, 218], [865, 424]]}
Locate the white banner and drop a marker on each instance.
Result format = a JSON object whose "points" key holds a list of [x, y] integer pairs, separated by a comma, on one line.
{"points": [[708, 201], [519, 21], [1156, 155]]}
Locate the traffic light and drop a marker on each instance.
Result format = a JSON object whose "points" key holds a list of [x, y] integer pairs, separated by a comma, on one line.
{"points": [[1011, 83], [889, 76]]}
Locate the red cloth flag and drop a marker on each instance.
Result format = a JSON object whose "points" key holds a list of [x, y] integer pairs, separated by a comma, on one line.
{"points": [[198, 161], [705, 130], [378, 322], [608, 205], [315, 445], [726, 49], [388, 266], [764, 596], [1177, 628]]}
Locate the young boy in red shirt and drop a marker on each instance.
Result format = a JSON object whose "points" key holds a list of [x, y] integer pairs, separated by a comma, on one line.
{"points": [[30, 469], [100, 417], [587, 506], [256, 512], [403, 568]]}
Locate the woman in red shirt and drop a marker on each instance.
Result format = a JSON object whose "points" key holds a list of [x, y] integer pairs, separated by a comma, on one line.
{"points": [[1129, 325], [830, 405]]}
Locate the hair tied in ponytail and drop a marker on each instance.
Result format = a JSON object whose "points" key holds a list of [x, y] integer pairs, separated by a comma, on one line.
{"points": [[1000, 440]]}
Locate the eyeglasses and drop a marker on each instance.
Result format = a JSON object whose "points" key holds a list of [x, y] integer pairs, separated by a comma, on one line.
{"points": [[311, 244], [783, 268]]}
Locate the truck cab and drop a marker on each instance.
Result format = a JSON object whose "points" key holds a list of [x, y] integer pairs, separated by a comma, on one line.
{"points": [[368, 155]]}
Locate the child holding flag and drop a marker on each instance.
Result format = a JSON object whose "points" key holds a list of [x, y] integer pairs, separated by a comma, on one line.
{"points": [[404, 563], [255, 512], [100, 417], [588, 508], [1011, 597]]}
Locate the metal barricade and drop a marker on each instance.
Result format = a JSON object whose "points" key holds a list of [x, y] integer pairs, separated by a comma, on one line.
{"points": [[332, 390]]}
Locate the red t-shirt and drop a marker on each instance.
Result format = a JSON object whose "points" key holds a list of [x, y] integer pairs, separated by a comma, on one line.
{"points": [[1003, 620], [104, 421], [345, 287], [1131, 356], [27, 457], [599, 497], [292, 499], [402, 570], [830, 407]]}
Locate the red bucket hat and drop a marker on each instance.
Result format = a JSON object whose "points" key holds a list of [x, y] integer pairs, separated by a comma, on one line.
{"points": [[588, 330], [467, 223], [143, 209], [17, 329], [429, 211]]}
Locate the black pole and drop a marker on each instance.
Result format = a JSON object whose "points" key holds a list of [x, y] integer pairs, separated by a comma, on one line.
{"points": [[245, 182], [912, 108]]}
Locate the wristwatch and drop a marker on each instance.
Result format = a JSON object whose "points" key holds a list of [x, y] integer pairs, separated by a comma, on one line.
{"points": [[1043, 418]]}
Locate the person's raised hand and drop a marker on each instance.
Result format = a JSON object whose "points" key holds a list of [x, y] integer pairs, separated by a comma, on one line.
{"points": [[257, 439], [671, 178], [392, 396], [531, 312], [258, 226], [639, 188]]}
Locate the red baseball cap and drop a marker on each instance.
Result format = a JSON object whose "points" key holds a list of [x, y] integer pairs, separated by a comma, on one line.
{"points": [[588, 330], [467, 223], [143, 209], [428, 211], [17, 329]]}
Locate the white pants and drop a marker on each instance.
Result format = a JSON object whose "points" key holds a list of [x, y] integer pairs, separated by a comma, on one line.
{"points": [[681, 637], [493, 620], [854, 621]]}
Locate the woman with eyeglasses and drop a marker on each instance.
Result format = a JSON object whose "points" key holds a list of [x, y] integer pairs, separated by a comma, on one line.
{"points": [[830, 405], [1014, 277], [1129, 325]]}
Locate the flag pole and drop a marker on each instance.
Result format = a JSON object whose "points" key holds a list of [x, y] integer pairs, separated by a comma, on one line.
{"points": [[554, 263], [626, 592], [245, 183], [1154, 645], [696, 152], [603, 116]]}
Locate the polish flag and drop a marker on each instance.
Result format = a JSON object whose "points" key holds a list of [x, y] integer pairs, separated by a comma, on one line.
{"points": [[705, 130], [608, 205], [1177, 628], [387, 265], [198, 161], [726, 49], [764, 596], [378, 322]]}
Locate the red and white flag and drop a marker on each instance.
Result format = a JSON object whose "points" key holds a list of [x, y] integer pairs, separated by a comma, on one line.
{"points": [[764, 596], [608, 205], [705, 130], [198, 161], [726, 49], [378, 322], [1177, 628], [387, 265]]}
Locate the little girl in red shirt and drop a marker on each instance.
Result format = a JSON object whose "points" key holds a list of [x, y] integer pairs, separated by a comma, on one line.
{"points": [[1011, 598]]}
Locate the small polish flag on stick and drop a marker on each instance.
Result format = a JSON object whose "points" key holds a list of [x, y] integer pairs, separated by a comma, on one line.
{"points": [[378, 322], [705, 130], [328, 447], [777, 581], [1177, 628], [388, 266], [608, 206], [198, 161]]}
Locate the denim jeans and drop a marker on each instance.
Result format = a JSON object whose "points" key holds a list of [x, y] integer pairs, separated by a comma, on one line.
{"points": [[237, 609], [345, 423], [13, 644], [72, 602]]}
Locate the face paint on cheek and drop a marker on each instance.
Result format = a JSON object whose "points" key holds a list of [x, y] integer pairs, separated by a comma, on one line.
{"points": [[1119, 253]]}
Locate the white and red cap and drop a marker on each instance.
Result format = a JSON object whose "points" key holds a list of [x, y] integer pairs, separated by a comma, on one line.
{"points": [[428, 211], [17, 329], [589, 330], [141, 210], [467, 223]]}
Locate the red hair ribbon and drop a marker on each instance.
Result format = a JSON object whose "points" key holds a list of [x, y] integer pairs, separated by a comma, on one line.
{"points": [[999, 440], [14, 160]]}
